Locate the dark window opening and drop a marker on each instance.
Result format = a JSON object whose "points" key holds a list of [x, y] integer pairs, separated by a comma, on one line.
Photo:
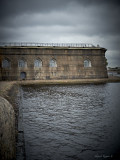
{"points": [[23, 75]]}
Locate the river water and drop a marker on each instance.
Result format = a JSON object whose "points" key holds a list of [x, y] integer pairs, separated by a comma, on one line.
{"points": [[71, 122]]}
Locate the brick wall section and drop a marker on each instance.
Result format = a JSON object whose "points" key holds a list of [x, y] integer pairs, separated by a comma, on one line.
{"points": [[70, 63]]}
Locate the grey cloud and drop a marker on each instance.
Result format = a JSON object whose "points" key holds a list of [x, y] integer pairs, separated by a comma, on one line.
{"points": [[99, 2], [88, 21], [16, 7], [84, 23], [84, 19]]}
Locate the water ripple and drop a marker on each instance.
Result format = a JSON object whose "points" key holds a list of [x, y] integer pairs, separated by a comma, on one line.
{"points": [[74, 122]]}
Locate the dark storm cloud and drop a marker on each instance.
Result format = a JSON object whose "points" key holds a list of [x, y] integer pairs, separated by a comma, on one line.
{"points": [[89, 21], [16, 7]]}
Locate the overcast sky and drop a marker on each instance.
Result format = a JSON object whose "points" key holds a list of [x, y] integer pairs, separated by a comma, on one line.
{"points": [[63, 21]]}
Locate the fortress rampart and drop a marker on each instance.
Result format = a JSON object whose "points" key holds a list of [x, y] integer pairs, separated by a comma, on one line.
{"points": [[30, 61]]}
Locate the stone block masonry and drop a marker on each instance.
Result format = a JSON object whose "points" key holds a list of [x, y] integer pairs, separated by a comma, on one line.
{"points": [[52, 62]]}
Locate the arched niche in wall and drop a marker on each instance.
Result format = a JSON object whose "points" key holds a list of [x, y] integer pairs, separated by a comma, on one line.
{"points": [[6, 63], [53, 63], [37, 63], [22, 63], [87, 63]]}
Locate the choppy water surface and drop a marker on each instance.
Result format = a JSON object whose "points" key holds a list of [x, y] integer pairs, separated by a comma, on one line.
{"points": [[74, 122]]}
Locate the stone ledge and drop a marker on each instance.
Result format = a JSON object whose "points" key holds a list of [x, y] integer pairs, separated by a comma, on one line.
{"points": [[70, 81]]}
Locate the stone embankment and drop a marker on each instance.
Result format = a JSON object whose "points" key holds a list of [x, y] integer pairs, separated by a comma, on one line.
{"points": [[8, 121], [70, 81], [7, 130]]}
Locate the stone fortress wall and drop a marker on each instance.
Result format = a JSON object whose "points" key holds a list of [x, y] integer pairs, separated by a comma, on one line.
{"points": [[52, 61]]}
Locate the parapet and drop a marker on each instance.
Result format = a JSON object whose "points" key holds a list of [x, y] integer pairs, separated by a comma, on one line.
{"points": [[49, 45]]}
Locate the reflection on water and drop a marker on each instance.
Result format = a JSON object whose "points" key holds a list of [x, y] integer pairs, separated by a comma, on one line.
{"points": [[74, 122]]}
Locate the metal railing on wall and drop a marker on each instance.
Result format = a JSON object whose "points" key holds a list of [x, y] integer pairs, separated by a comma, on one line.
{"points": [[29, 44]]}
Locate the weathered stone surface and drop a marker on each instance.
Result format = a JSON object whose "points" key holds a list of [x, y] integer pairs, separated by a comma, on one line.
{"points": [[7, 130], [70, 63]]}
